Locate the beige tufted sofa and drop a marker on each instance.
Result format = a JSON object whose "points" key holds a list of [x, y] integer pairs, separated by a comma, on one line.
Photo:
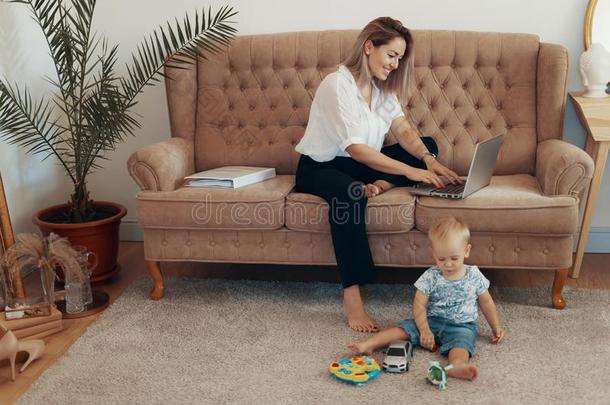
{"points": [[250, 107]]}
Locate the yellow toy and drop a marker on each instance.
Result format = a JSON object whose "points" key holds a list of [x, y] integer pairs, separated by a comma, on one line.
{"points": [[355, 370]]}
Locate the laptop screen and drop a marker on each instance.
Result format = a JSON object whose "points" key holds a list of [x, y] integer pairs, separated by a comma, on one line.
{"points": [[483, 164]]}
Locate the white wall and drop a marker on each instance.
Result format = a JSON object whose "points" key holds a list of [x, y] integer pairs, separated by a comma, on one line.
{"points": [[126, 22], [29, 183], [600, 29]]}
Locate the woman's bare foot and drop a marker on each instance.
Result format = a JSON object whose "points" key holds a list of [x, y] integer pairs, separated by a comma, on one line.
{"points": [[383, 185], [376, 188], [466, 371], [360, 347], [357, 318], [371, 190]]}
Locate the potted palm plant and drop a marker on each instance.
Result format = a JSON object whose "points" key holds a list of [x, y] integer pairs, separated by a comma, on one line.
{"points": [[91, 109]]}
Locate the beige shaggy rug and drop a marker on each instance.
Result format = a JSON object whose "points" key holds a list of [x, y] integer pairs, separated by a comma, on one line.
{"points": [[252, 342]]}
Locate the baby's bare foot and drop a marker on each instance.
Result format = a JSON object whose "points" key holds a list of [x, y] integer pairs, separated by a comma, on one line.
{"points": [[360, 348], [464, 371]]}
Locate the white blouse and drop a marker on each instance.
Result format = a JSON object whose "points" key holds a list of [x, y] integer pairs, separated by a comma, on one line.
{"points": [[340, 116]]}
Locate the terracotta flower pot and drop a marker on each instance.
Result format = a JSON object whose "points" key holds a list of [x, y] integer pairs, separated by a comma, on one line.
{"points": [[101, 236]]}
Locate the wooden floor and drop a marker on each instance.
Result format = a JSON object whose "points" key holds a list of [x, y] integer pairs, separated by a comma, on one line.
{"points": [[595, 273]]}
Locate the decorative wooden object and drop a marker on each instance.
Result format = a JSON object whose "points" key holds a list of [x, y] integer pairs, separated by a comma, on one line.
{"points": [[587, 27], [7, 237], [594, 115], [29, 328]]}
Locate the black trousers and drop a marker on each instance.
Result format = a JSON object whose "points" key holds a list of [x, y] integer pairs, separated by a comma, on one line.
{"points": [[339, 182]]}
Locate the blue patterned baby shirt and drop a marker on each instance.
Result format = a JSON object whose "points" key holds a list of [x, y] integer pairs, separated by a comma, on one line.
{"points": [[455, 300]]}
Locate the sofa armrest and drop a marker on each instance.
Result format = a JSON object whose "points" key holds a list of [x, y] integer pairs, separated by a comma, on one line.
{"points": [[162, 166], [562, 168], [551, 90]]}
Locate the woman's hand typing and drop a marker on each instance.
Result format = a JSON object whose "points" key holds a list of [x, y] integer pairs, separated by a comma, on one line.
{"points": [[424, 176], [439, 169]]}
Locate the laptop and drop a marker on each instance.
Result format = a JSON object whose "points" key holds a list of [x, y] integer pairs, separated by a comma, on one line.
{"points": [[479, 175]]}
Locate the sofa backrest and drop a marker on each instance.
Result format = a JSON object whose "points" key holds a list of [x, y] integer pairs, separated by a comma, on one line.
{"points": [[250, 105]]}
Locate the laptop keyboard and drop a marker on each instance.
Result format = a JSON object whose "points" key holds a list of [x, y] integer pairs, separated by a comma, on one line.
{"points": [[450, 189]]}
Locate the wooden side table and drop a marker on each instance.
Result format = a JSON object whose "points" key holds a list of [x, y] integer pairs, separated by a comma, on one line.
{"points": [[594, 115]]}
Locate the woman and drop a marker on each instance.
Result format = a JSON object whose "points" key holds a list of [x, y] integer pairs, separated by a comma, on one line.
{"points": [[342, 156]]}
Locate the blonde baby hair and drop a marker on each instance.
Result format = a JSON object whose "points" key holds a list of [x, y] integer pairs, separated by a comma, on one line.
{"points": [[447, 227]]}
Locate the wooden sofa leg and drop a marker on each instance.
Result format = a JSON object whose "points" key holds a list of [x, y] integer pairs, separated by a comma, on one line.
{"points": [[558, 282], [158, 290]]}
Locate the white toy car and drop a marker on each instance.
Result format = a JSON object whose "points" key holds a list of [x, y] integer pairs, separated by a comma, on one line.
{"points": [[398, 355]]}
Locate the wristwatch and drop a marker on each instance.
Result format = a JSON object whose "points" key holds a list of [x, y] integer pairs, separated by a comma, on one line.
{"points": [[428, 154]]}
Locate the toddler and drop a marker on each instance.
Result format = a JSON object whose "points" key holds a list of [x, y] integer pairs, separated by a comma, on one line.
{"points": [[445, 304]]}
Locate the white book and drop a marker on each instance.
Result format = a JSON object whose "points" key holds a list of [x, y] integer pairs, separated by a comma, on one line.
{"points": [[230, 176]]}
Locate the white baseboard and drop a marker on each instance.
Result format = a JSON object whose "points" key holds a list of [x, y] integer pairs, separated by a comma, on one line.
{"points": [[599, 237]]}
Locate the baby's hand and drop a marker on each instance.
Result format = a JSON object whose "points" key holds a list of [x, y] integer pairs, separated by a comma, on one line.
{"points": [[498, 334], [426, 340]]}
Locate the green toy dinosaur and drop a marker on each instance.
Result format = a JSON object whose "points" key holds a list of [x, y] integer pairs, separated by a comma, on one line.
{"points": [[437, 374]]}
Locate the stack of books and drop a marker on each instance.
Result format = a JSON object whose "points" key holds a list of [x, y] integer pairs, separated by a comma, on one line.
{"points": [[230, 176], [36, 327]]}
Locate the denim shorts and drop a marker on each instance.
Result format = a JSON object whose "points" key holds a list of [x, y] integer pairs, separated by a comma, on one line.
{"points": [[447, 334]]}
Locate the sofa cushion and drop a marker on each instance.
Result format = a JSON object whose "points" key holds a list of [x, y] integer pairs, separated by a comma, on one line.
{"points": [[510, 204], [257, 206], [390, 212]]}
